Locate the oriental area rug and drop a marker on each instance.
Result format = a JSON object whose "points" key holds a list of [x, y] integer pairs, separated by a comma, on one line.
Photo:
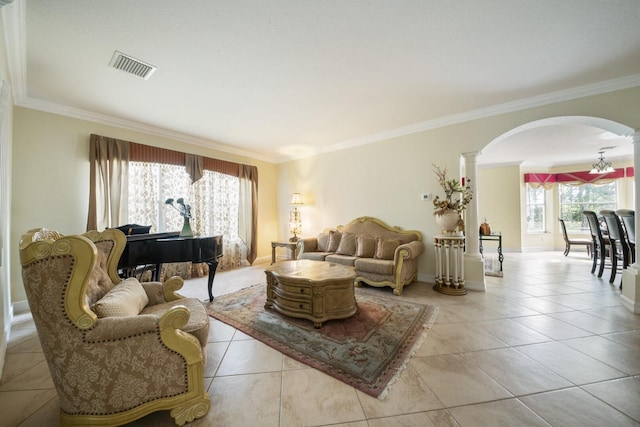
{"points": [[367, 350]]}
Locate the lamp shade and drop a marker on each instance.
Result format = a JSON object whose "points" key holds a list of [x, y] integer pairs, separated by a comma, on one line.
{"points": [[296, 200]]}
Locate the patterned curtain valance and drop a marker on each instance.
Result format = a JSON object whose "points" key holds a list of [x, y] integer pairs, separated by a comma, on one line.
{"points": [[537, 180], [546, 180]]}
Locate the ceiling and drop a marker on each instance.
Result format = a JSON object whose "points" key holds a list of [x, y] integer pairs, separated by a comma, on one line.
{"points": [[283, 79]]}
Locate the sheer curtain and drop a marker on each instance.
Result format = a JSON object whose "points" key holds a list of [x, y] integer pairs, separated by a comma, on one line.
{"points": [[214, 201]]}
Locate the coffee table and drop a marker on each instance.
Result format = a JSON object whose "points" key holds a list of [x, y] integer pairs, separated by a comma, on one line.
{"points": [[313, 290]]}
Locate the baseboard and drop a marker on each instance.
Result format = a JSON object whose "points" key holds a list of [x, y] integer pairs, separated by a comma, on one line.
{"points": [[21, 307], [630, 304]]}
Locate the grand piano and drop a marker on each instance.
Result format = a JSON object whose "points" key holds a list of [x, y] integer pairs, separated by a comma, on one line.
{"points": [[160, 248]]}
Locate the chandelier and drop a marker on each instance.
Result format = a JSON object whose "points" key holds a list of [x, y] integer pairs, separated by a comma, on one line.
{"points": [[601, 166]]}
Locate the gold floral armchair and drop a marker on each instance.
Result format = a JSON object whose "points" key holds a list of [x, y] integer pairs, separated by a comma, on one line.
{"points": [[117, 349]]}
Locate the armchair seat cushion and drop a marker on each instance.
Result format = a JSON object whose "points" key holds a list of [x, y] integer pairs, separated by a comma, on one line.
{"points": [[198, 324]]}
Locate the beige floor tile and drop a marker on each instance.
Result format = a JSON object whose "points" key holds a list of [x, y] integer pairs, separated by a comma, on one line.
{"points": [[518, 373], [249, 357], [511, 332], [410, 393], [630, 339], [588, 322], [35, 378], [17, 363], [440, 418], [624, 395], [28, 343], [551, 327], [467, 336], [215, 353], [17, 406], [47, 415], [543, 305], [509, 308], [310, 397], [612, 353], [575, 407], [458, 380], [244, 401], [571, 364], [510, 412], [436, 344], [220, 331]]}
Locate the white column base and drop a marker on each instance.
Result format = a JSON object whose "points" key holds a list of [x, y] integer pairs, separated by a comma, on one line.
{"points": [[474, 273], [631, 289]]}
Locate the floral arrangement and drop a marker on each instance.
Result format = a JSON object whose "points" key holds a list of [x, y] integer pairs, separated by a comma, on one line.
{"points": [[183, 208], [451, 186]]}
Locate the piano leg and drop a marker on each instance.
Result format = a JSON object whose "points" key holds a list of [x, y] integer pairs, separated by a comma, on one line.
{"points": [[213, 266]]}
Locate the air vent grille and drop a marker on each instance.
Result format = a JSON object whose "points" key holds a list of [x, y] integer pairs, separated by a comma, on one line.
{"points": [[131, 65]]}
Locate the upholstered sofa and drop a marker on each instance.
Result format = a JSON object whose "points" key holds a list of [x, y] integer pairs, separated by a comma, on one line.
{"points": [[381, 255], [117, 349]]}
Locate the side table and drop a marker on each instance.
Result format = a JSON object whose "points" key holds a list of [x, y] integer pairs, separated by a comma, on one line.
{"points": [[495, 237], [293, 246], [449, 264]]}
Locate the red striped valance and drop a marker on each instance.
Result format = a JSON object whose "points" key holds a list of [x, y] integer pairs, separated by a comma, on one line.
{"points": [[581, 176]]}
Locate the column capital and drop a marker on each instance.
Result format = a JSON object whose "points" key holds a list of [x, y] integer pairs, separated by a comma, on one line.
{"points": [[471, 154]]}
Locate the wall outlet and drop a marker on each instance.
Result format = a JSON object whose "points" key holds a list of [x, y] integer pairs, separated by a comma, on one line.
{"points": [[426, 196]]}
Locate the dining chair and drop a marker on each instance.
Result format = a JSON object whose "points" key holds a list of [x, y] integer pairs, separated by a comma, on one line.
{"points": [[599, 243], [568, 242], [618, 246], [628, 218]]}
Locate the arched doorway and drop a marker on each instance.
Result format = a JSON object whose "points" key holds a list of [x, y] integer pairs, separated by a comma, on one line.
{"points": [[569, 142]]}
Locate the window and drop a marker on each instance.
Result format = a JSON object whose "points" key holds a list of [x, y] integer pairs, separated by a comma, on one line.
{"points": [[535, 209], [214, 201], [574, 199]]}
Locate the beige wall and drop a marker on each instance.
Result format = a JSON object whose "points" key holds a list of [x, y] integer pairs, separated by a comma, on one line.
{"points": [[499, 202], [51, 178], [385, 179]]}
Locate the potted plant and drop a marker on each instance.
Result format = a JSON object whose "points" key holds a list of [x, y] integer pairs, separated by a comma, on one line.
{"points": [[448, 210]]}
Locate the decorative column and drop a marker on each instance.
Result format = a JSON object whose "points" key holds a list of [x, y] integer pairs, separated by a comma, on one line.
{"points": [[474, 266], [631, 275]]}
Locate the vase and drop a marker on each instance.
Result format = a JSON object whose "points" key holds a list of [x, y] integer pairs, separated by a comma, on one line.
{"points": [[186, 228], [448, 222]]}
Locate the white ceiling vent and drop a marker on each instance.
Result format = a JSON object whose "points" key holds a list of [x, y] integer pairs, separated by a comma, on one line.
{"points": [[131, 65]]}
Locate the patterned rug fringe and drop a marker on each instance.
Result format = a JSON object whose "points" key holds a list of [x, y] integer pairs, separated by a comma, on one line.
{"points": [[414, 350]]}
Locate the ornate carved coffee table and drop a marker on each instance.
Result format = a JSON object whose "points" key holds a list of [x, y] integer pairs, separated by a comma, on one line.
{"points": [[313, 290]]}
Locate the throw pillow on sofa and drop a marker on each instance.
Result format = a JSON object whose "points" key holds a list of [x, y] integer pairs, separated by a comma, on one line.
{"points": [[347, 244], [365, 246], [323, 242], [386, 248], [334, 240]]}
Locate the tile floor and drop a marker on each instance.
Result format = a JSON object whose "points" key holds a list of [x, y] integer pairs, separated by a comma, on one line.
{"points": [[547, 344]]}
